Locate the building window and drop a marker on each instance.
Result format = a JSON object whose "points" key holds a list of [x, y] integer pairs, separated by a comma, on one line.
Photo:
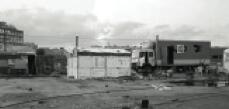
{"points": [[1, 30], [217, 57]]}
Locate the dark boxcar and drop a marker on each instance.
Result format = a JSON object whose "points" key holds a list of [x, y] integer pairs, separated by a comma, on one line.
{"points": [[182, 53]]}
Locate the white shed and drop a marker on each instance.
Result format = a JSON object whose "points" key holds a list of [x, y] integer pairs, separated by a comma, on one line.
{"points": [[92, 63], [226, 60]]}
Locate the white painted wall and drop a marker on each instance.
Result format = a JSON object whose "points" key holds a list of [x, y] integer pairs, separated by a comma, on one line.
{"points": [[72, 67], [226, 60], [99, 66]]}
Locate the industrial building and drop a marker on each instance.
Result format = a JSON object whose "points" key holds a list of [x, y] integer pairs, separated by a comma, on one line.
{"points": [[51, 61], [10, 35], [18, 63], [16, 58], [94, 63]]}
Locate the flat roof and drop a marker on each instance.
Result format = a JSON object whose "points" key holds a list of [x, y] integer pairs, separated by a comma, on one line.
{"points": [[103, 52]]}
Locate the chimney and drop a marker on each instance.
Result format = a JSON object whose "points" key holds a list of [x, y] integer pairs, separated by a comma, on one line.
{"points": [[76, 45], [157, 37], [77, 42]]}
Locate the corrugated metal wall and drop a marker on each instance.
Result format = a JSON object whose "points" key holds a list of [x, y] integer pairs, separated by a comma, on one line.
{"points": [[118, 66], [99, 66]]}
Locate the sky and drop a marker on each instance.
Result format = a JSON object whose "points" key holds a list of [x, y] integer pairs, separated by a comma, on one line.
{"points": [[55, 23]]}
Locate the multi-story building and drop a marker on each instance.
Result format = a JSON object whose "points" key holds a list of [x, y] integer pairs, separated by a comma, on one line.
{"points": [[10, 35]]}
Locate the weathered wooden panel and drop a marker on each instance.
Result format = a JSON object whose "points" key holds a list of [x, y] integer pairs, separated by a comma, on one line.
{"points": [[124, 72], [3, 63], [84, 73], [75, 67], [98, 72], [116, 72], [85, 61], [112, 72], [99, 66], [118, 61], [70, 66], [99, 61]]}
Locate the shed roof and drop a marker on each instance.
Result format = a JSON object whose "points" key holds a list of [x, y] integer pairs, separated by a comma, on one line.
{"points": [[103, 52]]}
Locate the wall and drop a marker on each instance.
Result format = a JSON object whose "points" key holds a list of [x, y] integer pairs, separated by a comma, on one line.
{"points": [[98, 66], [118, 66], [72, 67], [51, 64], [18, 64]]}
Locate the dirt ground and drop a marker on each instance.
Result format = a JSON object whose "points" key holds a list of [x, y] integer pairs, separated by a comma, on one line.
{"points": [[59, 93]]}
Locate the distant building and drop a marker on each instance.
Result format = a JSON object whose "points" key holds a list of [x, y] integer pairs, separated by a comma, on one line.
{"points": [[51, 61], [17, 63], [16, 57], [10, 35], [31, 44]]}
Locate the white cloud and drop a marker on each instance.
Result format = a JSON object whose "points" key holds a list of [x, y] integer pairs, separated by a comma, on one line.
{"points": [[68, 6], [60, 20]]}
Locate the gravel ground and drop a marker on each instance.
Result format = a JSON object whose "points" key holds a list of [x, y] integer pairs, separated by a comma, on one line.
{"points": [[57, 93]]}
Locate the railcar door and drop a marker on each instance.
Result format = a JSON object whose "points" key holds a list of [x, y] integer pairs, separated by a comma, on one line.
{"points": [[170, 55]]}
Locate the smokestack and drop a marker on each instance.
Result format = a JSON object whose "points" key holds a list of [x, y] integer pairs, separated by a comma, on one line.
{"points": [[76, 45], [157, 37], [77, 42], [156, 48]]}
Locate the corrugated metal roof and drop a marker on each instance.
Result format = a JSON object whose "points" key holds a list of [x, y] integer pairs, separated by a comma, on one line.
{"points": [[11, 49], [103, 52]]}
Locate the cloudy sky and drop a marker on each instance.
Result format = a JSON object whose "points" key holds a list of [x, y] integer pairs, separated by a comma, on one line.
{"points": [[55, 22]]}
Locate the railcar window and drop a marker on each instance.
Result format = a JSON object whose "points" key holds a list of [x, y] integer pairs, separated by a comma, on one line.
{"points": [[197, 48], [220, 56], [180, 48], [150, 54], [214, 57]]}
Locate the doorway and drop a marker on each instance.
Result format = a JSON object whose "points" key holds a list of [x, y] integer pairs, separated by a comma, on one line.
{"points": [[170, 55], [31, 64]]}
